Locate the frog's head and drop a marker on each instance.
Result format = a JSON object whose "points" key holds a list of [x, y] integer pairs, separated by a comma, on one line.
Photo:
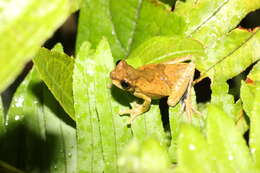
{"points": [[124, 76]]}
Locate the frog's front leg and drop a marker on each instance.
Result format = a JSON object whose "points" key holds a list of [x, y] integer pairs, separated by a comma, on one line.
{"points": [[137, 109]]}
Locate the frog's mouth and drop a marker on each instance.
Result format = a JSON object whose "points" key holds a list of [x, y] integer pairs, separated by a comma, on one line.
{"points": [[120, 85], [117, 84]]}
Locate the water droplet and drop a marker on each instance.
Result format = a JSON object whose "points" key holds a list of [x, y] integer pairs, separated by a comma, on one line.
{"points": [[113, 32], [17, 117], [55, 167], [6, 121], [19, 102], [230, 157], [192, 147], [69, 154], [252, 150]]}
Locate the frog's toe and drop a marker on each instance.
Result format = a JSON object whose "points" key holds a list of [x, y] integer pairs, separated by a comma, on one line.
{"points": [[124, 112], [132, 117]]}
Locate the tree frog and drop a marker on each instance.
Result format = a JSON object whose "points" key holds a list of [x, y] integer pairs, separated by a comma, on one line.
{"points": [[154, 81]]}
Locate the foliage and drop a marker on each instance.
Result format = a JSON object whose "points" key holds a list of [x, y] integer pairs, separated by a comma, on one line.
{"points": [[25, 26], [64, 115]]}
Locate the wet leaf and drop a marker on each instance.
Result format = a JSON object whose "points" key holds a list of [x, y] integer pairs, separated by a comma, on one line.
{"points": [[222, 150], [146, 156], [207, 20], [226, 143], [101, 131], [240, 50], [39, 136], [193, 152], [231, 54]]}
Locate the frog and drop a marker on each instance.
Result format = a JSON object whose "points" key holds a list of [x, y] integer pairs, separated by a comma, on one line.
{"points": [[172, 79]]}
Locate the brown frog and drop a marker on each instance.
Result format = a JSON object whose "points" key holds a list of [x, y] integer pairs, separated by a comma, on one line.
{"points": [[154, 81]]}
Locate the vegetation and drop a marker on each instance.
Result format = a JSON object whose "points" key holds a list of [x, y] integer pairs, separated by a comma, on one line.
{"points": [[63, 116]]}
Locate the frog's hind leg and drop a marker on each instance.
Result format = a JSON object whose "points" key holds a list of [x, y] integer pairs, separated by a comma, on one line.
{"points": [[183, 94], [181, 86], [187, 102]]}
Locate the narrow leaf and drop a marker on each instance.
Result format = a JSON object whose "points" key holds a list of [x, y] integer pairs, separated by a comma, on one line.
{"points": [[89, 156], [102, 133]]}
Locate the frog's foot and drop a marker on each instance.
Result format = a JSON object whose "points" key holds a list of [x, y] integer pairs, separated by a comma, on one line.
{"points": [[189, 109], [137, 109], [135, 112]]}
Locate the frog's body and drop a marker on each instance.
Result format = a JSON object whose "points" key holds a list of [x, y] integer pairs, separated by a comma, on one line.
{"points": [[154, 81]]}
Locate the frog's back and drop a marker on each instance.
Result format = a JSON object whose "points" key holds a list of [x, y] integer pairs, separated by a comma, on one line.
{"points": [[158, 80]]}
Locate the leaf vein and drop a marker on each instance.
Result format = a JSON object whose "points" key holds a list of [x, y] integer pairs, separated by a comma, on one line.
{"points": [[209, 17], [229, 54], [131, 38], [113, 124], [114, 33]]}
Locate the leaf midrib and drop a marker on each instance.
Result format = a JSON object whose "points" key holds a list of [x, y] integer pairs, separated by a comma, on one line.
{"points": [[233, 51]]}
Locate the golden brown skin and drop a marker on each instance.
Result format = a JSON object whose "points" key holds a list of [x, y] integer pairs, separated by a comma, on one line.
{"points": [[154, 81]]}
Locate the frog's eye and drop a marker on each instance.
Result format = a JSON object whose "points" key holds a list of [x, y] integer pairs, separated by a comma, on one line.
{"points": [[125, 84]]}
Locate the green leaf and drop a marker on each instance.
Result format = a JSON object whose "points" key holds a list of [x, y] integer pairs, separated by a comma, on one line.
{"points": [[58, 47], [101, 131], [234, 51], [149, 125], [126, 24], [228, 147], [159, 49], [146, 156], [193, 152], [56, 69], [223, 150], [24, 28], [39, 136], [240, 119], [177, 117], [209, 20], [250, 95]]}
